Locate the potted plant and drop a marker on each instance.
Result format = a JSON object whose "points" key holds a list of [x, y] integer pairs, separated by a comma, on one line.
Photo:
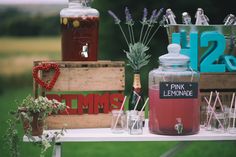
{"points": [[31, 113]]}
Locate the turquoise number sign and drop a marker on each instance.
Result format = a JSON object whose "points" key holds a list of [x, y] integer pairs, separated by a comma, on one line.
{"points": [[230, 62], [190, 50], [213, 53]]}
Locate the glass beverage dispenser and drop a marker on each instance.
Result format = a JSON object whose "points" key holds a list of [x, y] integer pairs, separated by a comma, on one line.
{"points": [[173, 91], [79, 30]]}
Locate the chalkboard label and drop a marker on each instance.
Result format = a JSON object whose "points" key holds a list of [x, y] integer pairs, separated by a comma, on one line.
{"points": [[177, 90]]}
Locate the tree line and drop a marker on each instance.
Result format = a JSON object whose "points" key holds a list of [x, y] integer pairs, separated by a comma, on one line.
{"points": [[14, 22]]}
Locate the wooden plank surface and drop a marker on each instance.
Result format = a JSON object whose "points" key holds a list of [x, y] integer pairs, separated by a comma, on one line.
{"points": [[90, 79], [218, 81], [100, 120], [87, 76]]}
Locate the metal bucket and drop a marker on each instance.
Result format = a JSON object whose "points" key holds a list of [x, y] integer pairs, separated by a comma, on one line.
{"points": [[228, 31]]}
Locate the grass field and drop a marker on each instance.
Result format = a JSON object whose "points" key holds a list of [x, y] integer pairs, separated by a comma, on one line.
{"points": [[16, 56]]}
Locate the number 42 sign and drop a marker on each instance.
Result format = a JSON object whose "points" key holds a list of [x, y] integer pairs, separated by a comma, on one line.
{"points": [[209, 61]]}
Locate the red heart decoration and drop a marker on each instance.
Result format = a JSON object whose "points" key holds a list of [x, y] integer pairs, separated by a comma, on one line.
{"points": [[46, 67]]}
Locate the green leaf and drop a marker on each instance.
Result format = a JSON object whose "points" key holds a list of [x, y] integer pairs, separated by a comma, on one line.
{"points": [[137, 55]]}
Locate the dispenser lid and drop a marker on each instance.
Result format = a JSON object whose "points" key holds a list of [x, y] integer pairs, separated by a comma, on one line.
{"points": [[173, 56]]}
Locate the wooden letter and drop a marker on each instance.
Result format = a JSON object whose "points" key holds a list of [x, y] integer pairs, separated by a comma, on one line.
{"points": [[68, 100], [85, 102], [116, 101], [101, 101]]}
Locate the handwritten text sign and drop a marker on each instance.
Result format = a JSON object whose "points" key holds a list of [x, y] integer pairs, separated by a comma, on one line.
{"points": [[178, 90]]}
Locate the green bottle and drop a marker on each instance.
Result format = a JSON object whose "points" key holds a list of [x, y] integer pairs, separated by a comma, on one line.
{"points": [[135, 94]]}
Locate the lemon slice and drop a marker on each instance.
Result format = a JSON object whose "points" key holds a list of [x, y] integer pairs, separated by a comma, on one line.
{"points": [[76, 23], [65, 21]]}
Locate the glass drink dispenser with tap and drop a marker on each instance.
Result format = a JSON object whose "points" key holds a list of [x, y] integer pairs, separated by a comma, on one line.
{"points": [[79, 31], [174, 107]]}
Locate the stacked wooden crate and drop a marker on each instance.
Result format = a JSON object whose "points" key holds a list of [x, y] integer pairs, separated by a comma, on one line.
{"points": [[76, 81]]}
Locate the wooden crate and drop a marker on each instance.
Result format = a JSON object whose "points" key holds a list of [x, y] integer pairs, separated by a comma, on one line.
{"points": [[225, 83], [100, 76]]}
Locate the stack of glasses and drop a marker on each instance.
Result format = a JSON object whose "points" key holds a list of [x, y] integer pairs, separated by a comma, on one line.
{"points": [[130, 121], [220, 118]]}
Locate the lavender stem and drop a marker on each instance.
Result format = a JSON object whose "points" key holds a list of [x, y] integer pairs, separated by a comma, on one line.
{"points": [[132, 32], [130, 37], [149, 31], [145, 34], [141, 33], [153, 35], [124, 35]]}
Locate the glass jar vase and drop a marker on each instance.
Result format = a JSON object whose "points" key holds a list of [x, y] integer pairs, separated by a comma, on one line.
{"points": [[173, 91], [79, 31]]}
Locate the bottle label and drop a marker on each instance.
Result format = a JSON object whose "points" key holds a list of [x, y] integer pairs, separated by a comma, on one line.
{"points": [[169, 90], [137, 83]]}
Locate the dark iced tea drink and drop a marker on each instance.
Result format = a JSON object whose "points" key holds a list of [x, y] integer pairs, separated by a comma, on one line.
{"points": [[79, 38]]}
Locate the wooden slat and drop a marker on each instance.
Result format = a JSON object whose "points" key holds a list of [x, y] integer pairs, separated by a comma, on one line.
{"points": [[79, 121], [218, 81], [78, 64], [90, 79], [88, 76]]}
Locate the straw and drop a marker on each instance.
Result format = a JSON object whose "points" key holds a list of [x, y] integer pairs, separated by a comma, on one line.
{"points": [[232, 101], [136, 105], [217, 94], [234, 112], [221, 105], [144, 104], [230, 109], [140, 111], [208, 106], [216, 117], [123, 103]]}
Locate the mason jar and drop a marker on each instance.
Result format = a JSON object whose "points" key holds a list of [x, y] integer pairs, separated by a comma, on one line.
{"points": [[79, 31], [117, 121], [174, 107]]}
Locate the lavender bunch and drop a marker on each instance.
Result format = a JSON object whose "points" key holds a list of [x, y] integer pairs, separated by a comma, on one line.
{"points": [[137, 55]]}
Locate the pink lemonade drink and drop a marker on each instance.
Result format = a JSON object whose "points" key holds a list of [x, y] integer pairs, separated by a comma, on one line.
{"points": [[165, 114]]}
